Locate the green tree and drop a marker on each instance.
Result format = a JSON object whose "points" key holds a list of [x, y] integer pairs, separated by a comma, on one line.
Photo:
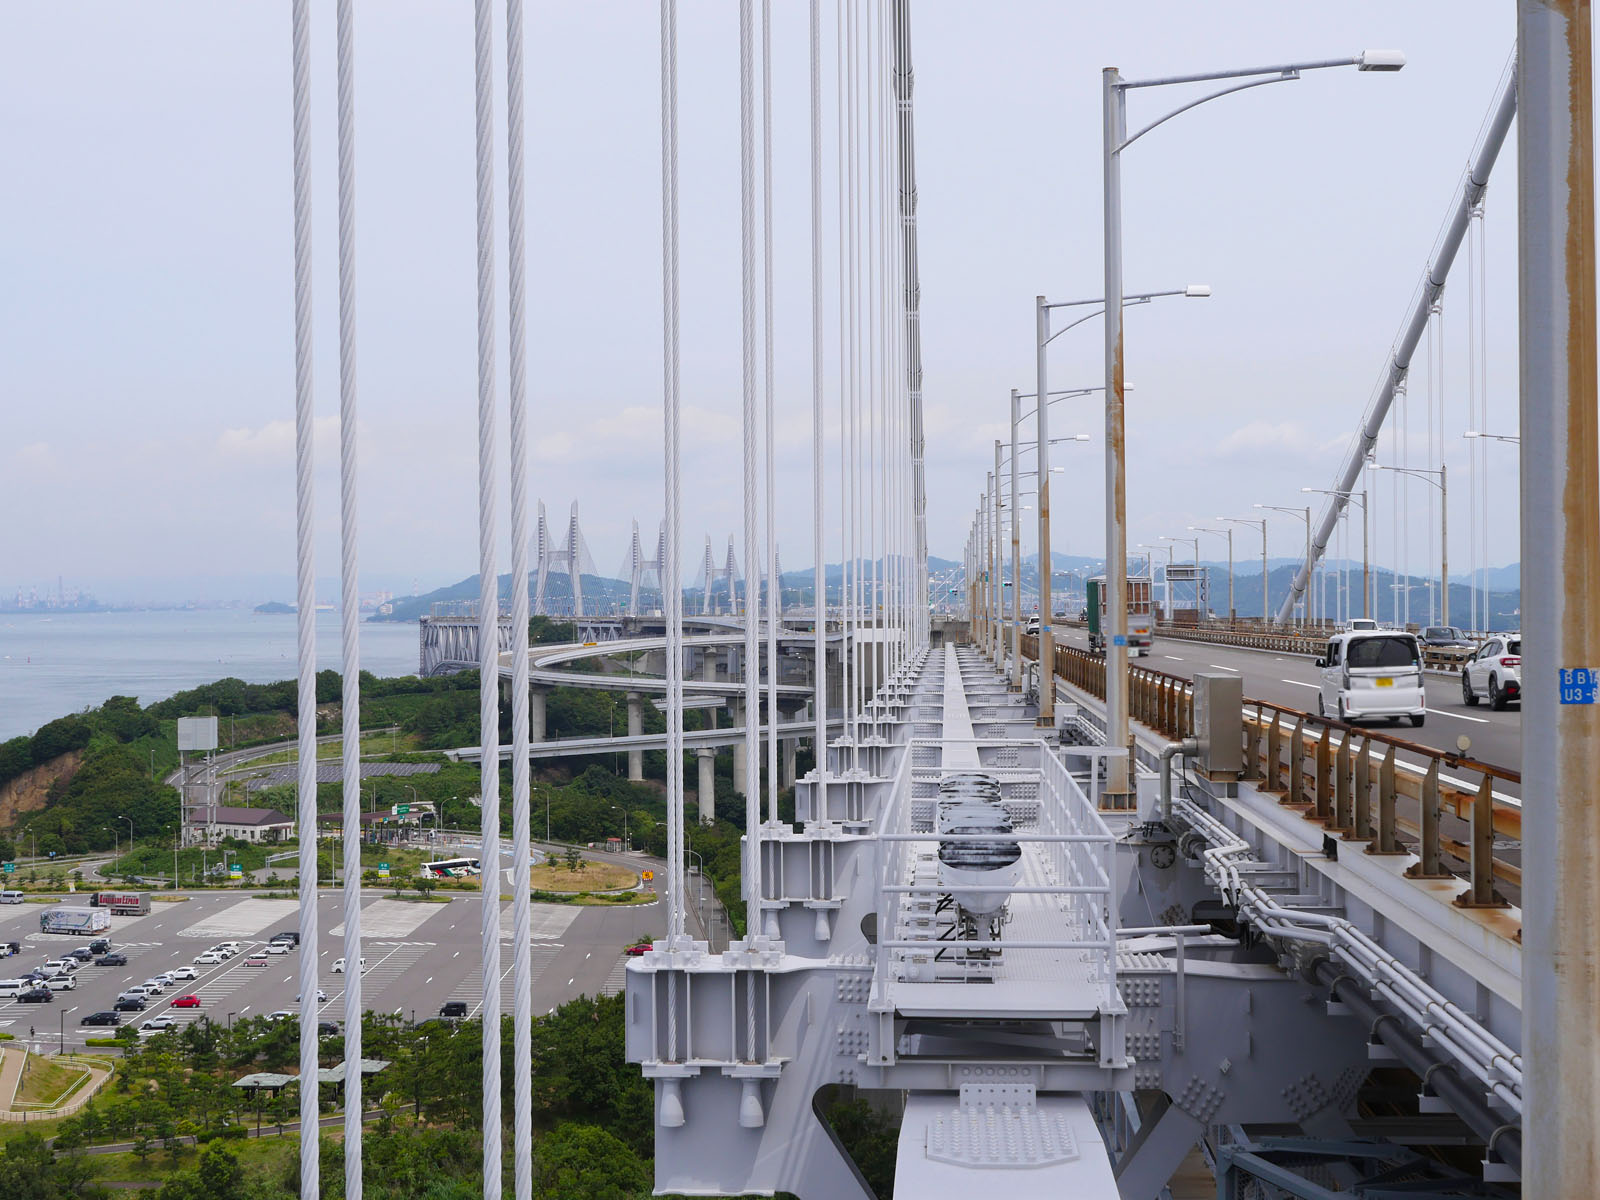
{"points": [[584, 1162]]}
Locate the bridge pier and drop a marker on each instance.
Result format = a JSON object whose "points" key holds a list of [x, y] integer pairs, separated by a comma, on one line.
{"points": [[635, 728], [536, 714], [708, 784], [786, 762]]}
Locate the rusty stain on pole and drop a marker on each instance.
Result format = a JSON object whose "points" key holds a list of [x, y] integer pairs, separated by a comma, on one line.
{"points": [[1561, 598], [1114, 131]]}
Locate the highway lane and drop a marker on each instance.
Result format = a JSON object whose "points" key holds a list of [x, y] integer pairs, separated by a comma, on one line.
{"points": [[1291, 680]]}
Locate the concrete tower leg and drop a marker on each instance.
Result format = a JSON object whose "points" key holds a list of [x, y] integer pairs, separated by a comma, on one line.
{"points": [[635, 728], [786, 762], [536, 717], [708, 783], [740, 775]]}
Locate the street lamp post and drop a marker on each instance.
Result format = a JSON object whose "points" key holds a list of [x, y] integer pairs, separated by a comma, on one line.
{"points": [[1366, 566], [1227, 533], [1443, 484], [129, 820], [1172, 541], [1042, 339], [1168, 577], [1266, 612], [1306, 612], [1117, 140]]}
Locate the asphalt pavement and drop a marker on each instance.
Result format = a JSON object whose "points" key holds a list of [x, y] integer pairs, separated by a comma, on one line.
{"points": [[418, 955]]}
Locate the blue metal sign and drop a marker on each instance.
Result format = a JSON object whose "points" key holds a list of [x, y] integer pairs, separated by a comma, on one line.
{"points": [[1580, 685], [1119, 639]]}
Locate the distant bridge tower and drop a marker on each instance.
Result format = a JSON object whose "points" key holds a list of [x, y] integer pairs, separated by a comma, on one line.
{"points": [[571, 559], [711, 573], [639, 566]]}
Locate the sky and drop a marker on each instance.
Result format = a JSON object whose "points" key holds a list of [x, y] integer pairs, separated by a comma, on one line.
{"points": [[146, 352]]}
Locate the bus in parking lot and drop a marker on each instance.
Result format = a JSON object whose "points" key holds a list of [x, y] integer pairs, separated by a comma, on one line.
{"points": [[452, 868]]}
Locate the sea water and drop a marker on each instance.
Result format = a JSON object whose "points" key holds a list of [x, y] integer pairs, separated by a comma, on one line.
{"points": [[54, 663]]}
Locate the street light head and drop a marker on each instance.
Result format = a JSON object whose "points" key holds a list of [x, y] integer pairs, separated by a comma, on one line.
{"points": [[1197, 290], [1380, 60], [1472, 433], [1080, 437]]}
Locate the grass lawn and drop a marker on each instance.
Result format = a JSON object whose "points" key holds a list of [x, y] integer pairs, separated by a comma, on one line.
{"points": [[46, 1081], [257, 1155], [590, 876]]}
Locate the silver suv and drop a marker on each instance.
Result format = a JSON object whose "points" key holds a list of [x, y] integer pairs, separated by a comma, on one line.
{"points": [[1494, 673]]}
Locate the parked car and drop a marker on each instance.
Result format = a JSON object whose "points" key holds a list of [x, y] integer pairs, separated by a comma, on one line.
{"points": [[111, 960], [129, 1004], [181, 973], [1373, 673], [328, 1029], [635, 951], [256, 960], [100, 945], [210, 958], [153, 987], [61, 966], [276, 947], [1494, 673], [289, 936], [157, 1024], [190, 1001], [100, 1018], [38, 995], [453, 1010], [166, 979], [321, 996], [83, 954], [1445, 637], [282, 1014], [338, 964], [61, 983]]}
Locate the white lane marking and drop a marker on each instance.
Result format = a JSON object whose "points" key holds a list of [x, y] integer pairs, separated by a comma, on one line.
{"points": [[429, 979], [1220, 667], [569, 982], [1439, 712], [1173, 657], [1301, 683], [244, 1010]]}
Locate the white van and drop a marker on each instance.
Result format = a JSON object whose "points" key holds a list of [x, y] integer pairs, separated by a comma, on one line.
{"points": [[11, 897], [1373, 673], [14, 987]]}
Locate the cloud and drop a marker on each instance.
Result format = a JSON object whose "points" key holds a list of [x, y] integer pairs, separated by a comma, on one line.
{"points": [[1258, 437], [35, 456], [275, 440]]}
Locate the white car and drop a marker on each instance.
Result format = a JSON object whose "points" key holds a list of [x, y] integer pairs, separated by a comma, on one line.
{"points": [[157, 1024], [338, 964], [166, 978], [61, 966], [1494, 673], [282, 1014], [181, 973], [154, 987], [61, 983], [1372, 673], [210, 958], [321, 996], [277, 948]]}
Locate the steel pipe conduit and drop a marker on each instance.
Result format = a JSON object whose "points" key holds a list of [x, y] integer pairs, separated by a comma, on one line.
{"points": [[1495, 1065]]}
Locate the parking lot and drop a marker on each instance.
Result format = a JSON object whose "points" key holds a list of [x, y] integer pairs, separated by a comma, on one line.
{"points": [[417, 956]]}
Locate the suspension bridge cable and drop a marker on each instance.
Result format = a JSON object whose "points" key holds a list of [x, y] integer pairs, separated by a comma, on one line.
{"points": [[819, 578], [774, 587], [306, 592], [846, 655], [521, 856], [349, 613], [672, 571], [752, 560], [488, 599]]}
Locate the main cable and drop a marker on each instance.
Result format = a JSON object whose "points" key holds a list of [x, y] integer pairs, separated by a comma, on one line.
{"points": [[521, 790], [349, 616], [306, 594], [488, 601]]}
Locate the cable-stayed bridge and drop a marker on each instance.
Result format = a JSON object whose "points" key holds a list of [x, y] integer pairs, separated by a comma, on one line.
{"points": [[1075, 924]]}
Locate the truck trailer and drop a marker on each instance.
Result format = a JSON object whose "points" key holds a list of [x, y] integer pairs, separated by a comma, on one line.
{"points": [[1141, 620], [63, 918]]}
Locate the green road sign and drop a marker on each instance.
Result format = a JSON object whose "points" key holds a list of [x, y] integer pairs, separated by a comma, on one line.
{"points": [[9, 867], [401, 810]]}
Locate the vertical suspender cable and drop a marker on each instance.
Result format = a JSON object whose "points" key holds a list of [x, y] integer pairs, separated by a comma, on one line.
{"points": [[819, 578], [1483, 402], [672, 571], [855, 380], [752, 560], [517, 349], [774, 586], [870, 317], [488, 601], [847, 652], [306, 594], [349, 615]]}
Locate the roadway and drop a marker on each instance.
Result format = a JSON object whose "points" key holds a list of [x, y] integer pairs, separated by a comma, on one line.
{"points": [[418, 956]]}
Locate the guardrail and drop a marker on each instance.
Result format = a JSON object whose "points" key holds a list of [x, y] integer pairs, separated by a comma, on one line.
{"points": [[1346, 778]]}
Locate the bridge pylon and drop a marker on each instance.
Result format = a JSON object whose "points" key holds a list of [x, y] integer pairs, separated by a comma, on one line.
{"points": [[570, 559]]}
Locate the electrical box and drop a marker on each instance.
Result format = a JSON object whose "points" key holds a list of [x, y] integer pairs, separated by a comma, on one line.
{"points": [[1219, 724]]}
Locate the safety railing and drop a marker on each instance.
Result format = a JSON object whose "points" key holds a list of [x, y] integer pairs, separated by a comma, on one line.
{"points": [[1359, 784], [1310, 641]]}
